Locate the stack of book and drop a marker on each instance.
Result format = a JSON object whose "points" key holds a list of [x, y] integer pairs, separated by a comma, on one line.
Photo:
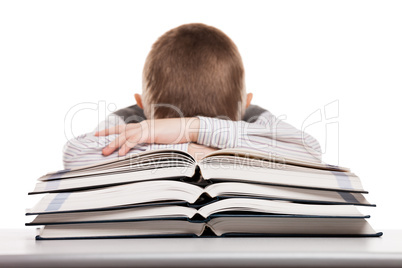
{"points": [[231, 192]]}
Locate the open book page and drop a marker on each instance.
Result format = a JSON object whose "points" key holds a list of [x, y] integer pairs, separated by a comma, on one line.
{"points": [[263, 163], [277, 207], [95, 181], [147, 212], [286, 193], [122, 229], [335, 180], [293, 226], [248, 153], [134, 193], [129, 163]]}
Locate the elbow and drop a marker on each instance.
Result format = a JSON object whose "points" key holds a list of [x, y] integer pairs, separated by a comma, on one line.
{"points": [[71, 155], [82, 150], [314, 148]]}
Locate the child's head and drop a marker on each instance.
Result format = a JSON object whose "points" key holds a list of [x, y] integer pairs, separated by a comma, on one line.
{"points": [[192, 70]]}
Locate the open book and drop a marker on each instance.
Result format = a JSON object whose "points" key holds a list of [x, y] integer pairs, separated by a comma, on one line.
{"points": [[164, 191], [238, 165], [230, 205], [218, 226]]}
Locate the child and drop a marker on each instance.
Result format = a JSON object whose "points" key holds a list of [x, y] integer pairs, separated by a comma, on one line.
{"points": [[193, 99]]}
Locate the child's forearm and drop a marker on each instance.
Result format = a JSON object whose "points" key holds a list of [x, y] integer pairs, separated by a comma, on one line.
{"points": [[158, 131]]}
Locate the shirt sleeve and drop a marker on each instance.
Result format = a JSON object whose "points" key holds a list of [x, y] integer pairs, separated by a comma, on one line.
{"points": [[87, 149], [267, 134]]}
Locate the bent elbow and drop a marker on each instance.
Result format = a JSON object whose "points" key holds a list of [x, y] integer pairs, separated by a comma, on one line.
{"points": [[314, 148], [84, 150], [71, 155]]}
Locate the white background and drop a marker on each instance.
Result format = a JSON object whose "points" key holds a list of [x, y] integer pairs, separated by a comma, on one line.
{"points": [[299, 57]]}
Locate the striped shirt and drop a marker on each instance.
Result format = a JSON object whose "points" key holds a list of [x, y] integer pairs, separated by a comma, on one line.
{"points": [[266, 134]]}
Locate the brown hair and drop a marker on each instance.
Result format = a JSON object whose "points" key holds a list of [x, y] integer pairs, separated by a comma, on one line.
{"points": [[196, 68]]}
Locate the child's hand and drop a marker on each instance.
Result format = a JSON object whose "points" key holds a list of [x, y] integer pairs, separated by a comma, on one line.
{"points": [[164, 131]]}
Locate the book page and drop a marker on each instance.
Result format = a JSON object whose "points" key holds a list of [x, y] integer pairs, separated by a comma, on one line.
{"points": [[286, 193], [248, 153], [278, 207], [127, 194], [128, 160]]}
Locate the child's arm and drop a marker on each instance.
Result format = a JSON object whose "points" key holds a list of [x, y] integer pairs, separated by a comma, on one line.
{"points": [[266, 134], [87, 149]]}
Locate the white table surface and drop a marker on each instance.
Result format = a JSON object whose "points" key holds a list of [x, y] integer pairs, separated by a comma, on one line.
{"points": [[18, 248]]}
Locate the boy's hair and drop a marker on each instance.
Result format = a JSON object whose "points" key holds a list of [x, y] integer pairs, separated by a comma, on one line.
{"points": [[196, 68]]}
